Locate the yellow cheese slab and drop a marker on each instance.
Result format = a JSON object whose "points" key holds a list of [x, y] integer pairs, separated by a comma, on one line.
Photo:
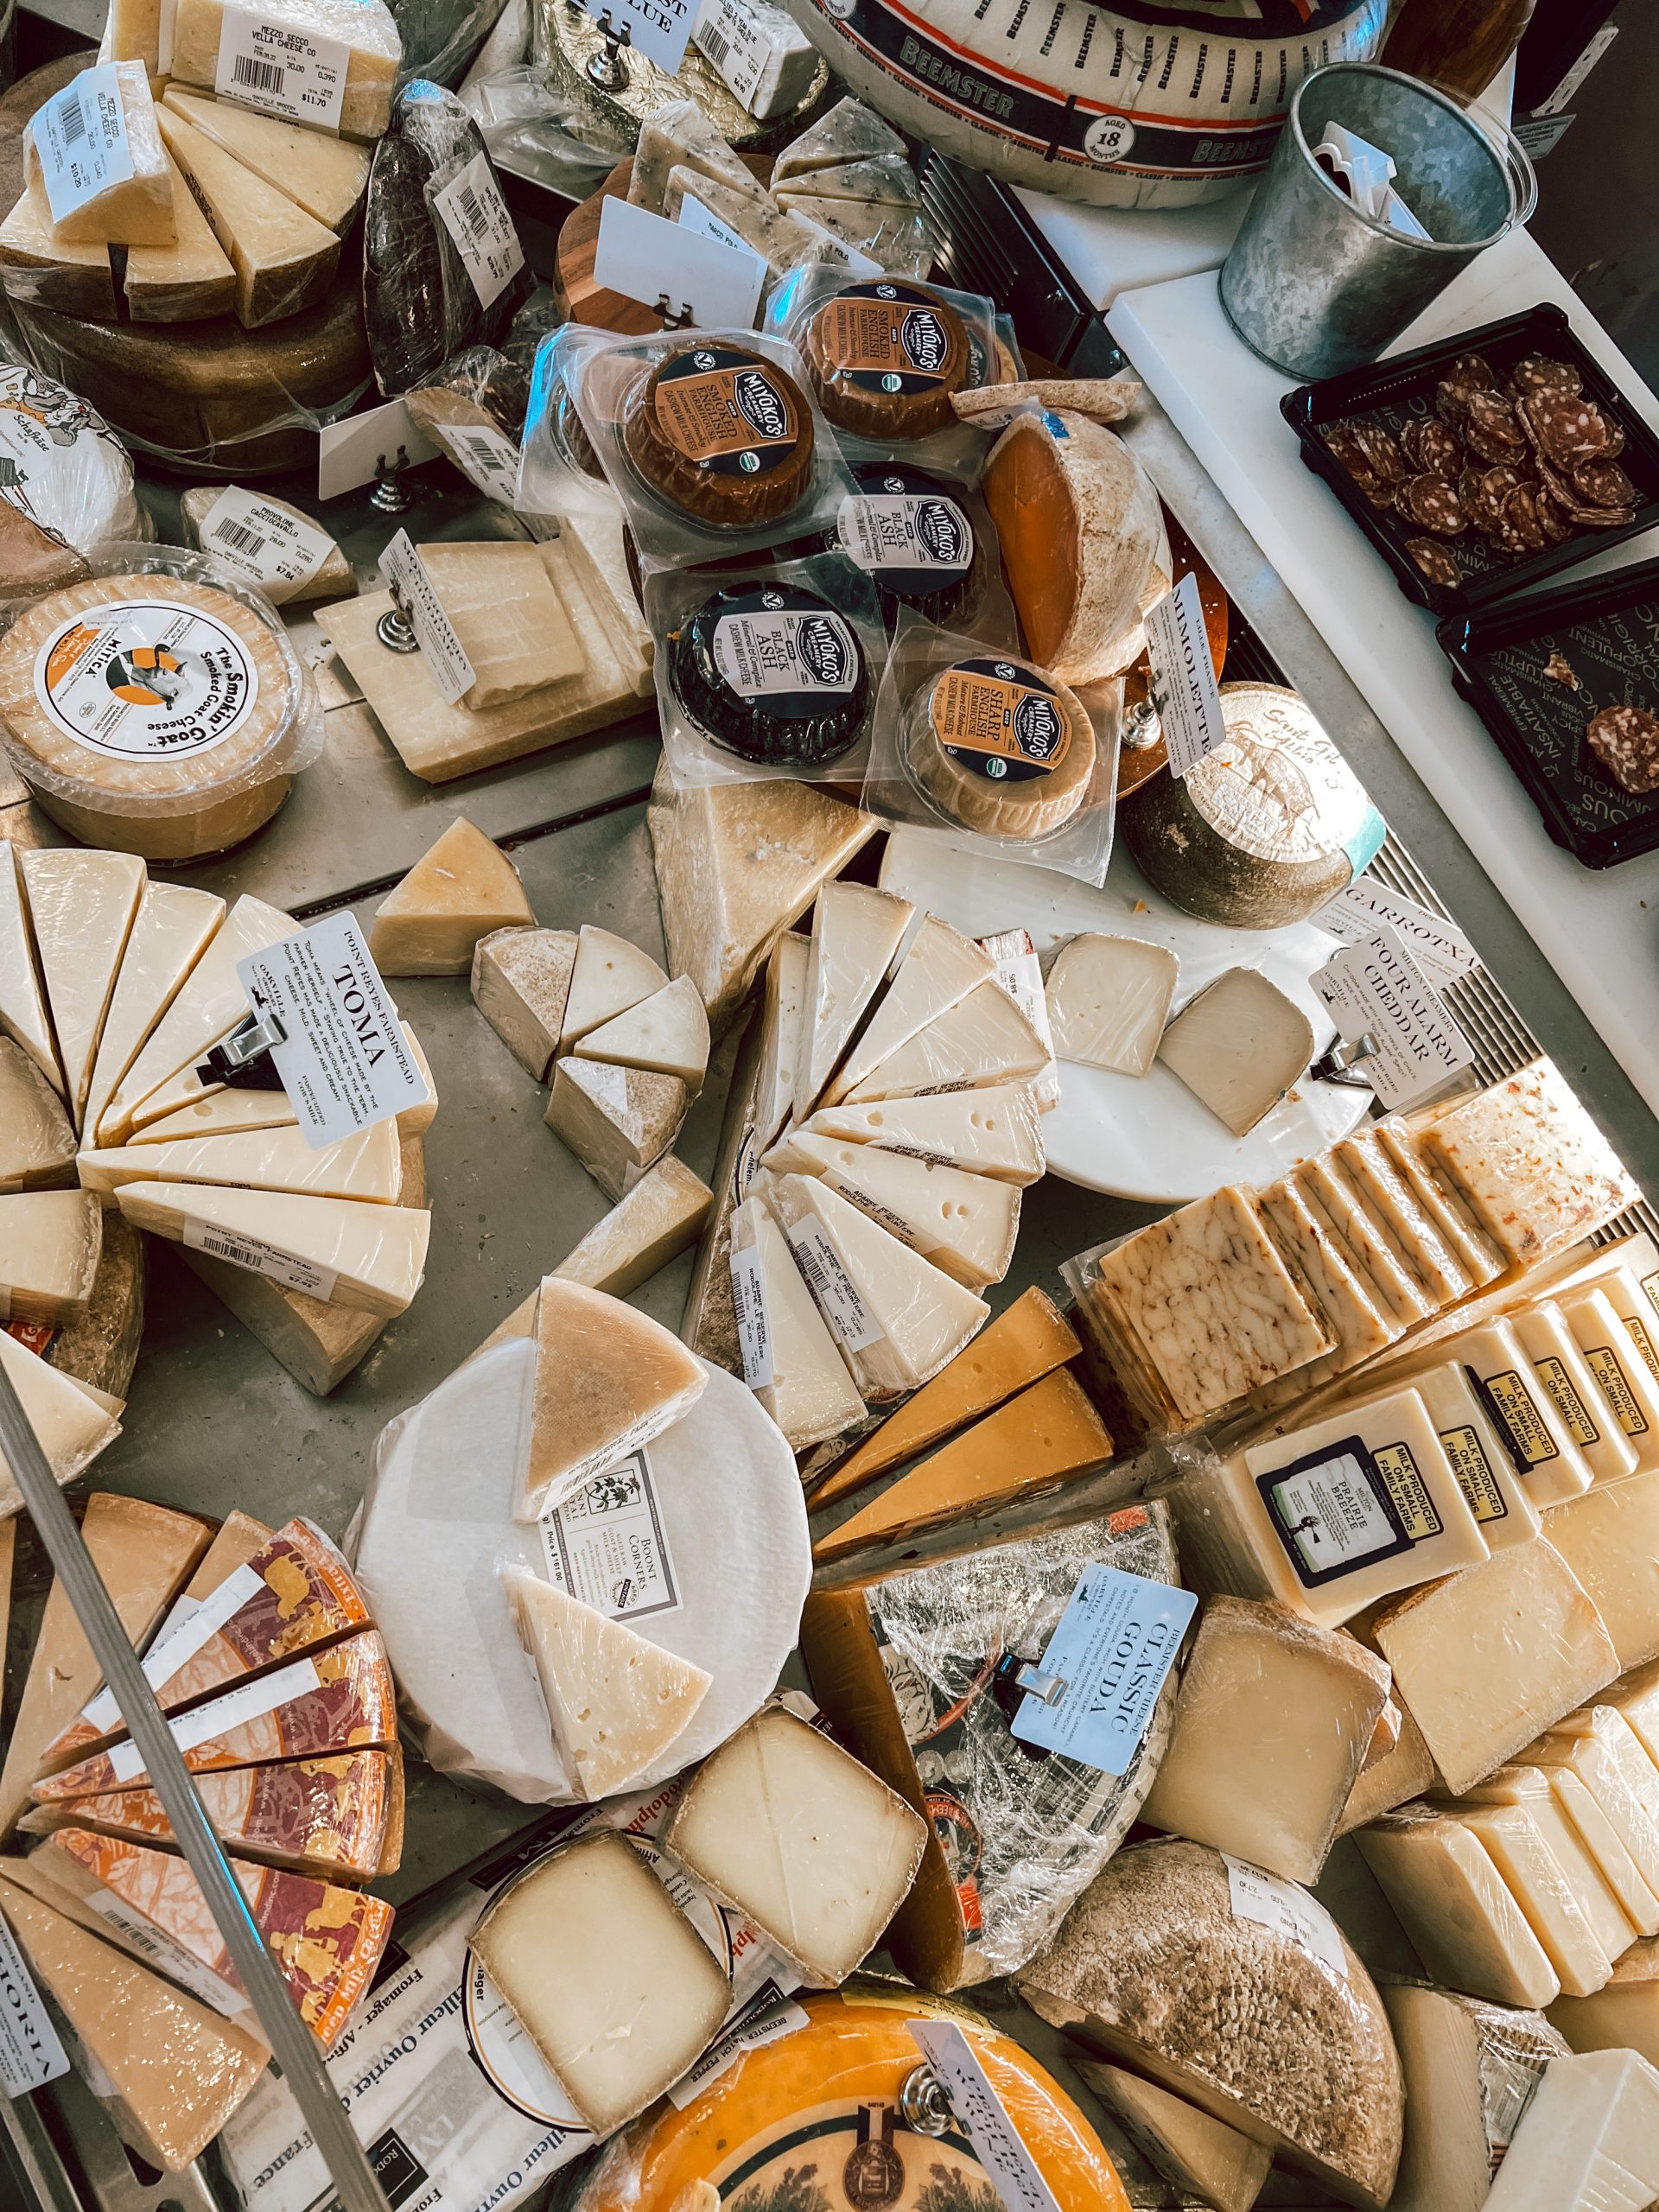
{"points": [[362, 1165], [325, 176], [284, 259], [171, 931], [1451, 1901], [82, 906], [1551, 1466], [1480, 1459], [1610, 1538], [1578, 1394], [1627, 1383]]}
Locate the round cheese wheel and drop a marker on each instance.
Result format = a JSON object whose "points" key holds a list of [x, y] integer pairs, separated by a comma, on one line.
{"points": [[1141, 103], [773, 673], [721, 433], [1261, 833], [884, 358], [153, 711], [1000, 747], [821, 2107], [914, 536], [715, 1536], [66, 484]]}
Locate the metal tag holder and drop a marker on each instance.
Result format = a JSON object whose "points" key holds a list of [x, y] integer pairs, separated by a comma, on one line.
{"points": [[243, 1061]]}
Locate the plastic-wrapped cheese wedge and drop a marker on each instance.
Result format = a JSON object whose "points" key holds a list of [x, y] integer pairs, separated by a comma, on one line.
{"points": [[37, 1146], [661, 1216], [1468, 1930], [327, 176], [1551, 1873], [1599, 1745], [1622, 2015], [996, 1132], [1578, 1395], [1588, 2141], [1202, 2156], [73, 1426], [341, 1250], [965, 1223], [134, 204], [1610, 1538], [81, 907], [39, 267], [1471, 2069], [790, 1359], [284, 550], [364, 28], [665, 1034], [49, 1250], [856, 934], [170, 932], [363, 1165], [191, 280], [680, 136], [984, 1039]]}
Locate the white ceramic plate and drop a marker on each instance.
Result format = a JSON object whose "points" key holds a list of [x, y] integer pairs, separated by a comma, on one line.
{"points": [[1143, 1137]]}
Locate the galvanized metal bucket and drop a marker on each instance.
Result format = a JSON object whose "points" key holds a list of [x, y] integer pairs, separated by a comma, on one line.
{"points": [[1314, 285]]}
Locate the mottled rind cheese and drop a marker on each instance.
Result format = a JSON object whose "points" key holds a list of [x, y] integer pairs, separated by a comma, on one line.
{"points": [[618, 1121], [1531, 1163], [1470, 2070]]}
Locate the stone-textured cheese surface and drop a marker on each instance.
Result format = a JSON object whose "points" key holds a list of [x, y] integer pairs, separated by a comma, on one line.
{"points": [[284, 259], [502, 606], [364, 28], [618, 1121]]}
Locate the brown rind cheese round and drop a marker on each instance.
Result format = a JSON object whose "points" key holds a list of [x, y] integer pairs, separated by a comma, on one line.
{"points": [[884, 359], [722, 433], [1625, 741], [999, 746]]}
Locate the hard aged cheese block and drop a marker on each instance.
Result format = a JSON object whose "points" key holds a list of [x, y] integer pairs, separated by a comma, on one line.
{"points": [[1485, 1658], [610, 976], [284, 259], [1272, 1726], [984, 1040], [188, 281], [783, 1016], [1622, 2015], [1484, 1467], [680, 135], [1406, 1771], [1585, 1408], [794, 1832], [134, 205], [50, 1249], [521, 978], [342, 1250], [1471, 2069], [665, 1034], [996, 1132], [737, 865], [1468, 1930], [1556, 1883], [1258, 2009], [173, 2071], [605, 1974], [326, 1942], [501, 604], [1013, 1350], [1524, 1411], [965, 1223], [616, 1701], [71, 1425], [1609, 1539], [36, 265], [1197, 2153], [171, 931], [1474, 1249], [1588, 2141], [461, 889], [37, 1146], [217, 519], [324, 175], [760, 52], [798, 1376], [363, 1165], [1599, 1744], [23, 1002], [939, 969], [1556, 1782], [856, 934], [1109, 999], [1240, 1045], [1530, 1163], [618, 1121], [655, 1221], [81, 907], [608, 1380], [364, 28]]}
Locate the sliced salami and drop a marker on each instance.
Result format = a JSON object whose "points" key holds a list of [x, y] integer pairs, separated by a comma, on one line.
{"points": [[1556, 521], [1615, 444], [1562, 489], [1538, 374], [1432, 503], [1485, 506], [1565, 429], [1436, 563], [1383, 455], [1467, 375], [1625, 740], [1522, 518], [1430, 447], [1603, 483], [1493, 428]]}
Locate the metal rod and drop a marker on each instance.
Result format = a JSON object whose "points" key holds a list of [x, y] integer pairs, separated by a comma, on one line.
{"points": [[292, 2044]]}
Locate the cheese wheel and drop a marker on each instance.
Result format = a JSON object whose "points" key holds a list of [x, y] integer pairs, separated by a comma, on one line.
{"points": [[1141, 103], [721, 433], [884, 359], [1000, 747], [155, 712]]}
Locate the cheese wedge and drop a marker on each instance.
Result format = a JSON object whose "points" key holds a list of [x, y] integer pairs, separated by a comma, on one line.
{"points": [[790, 1359], [363, 1165], [521, 979], [22, 1003], [984, 1040], [1610, 1538], [363, 33], [511, 623], [654, 1224], [37, 1146], [50, 1241], [1109, 1000], [1451, 1902], [171, 931], [47, 271], [219, 1114], [607, 1379], [1239, 1045], [616, 1700], [782, 1019], [1202, 2156], [338, 1250], [463, 888], [325, 176], [131, 209], [282, 257], [69, 1421], [665, 1034], [188, 281], [965, 1223], [1475, 1252], [856, 932], [618, 1121], [939, 969], [610, 977], [82, 906], [993, 1132]]}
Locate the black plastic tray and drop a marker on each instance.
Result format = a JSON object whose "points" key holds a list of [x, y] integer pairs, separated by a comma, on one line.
{"points": [[1395, 390], [1607, 629]]}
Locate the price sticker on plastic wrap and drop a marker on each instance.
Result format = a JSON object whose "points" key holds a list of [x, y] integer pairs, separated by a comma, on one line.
{"points": [[262, 541], [473, 211], [753, 1326], [1273, 1902], [1375, 990], [488, 459], [982, 2117], [30, 2053], [282, 69], [1184, 687], [80, 137], [1105, 1667]]}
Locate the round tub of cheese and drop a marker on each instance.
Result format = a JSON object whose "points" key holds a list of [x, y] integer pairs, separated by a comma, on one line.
{"points": [[155, 707]]}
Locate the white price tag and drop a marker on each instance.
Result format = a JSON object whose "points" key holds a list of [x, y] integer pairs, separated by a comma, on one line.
{"points": [[357, 449], [975, 2103], [81, 135], [1376, 988], [258, 1258], [736, 44], [346, 1064], [661, 29], [1183, 686], [281, 70], [263, 542], [179, 1643], [834, 1292], [607, 1545], [441, 649], [476, 217], [30, 2053], [170, 1957], [489, 459], [220, 1714], [1438, 947], [1272, 1902], [1019, 973], [647, 259], [753, 1328]]}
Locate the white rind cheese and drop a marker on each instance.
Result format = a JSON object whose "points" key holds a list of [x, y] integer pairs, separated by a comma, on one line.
{"points": [[37, 1144], [665, 1034]]}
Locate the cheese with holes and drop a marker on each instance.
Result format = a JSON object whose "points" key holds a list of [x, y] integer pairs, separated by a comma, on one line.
{"points": [[37, 1146], [461, 889], [284, 260], [81, 907], [789, 1358], [521, 978], [38, 266], [1470, 2070], [72, 1424], [363, 1165], [1109, 1000], [189, 281], [617, 1701], [940, 967], [1580, 1398], [22, 1003], [680, 135], [618, 1121], [856, 934], [996, 1132], [171, 2072], [170, 932], [1530, 1163], [610, 976], [655, 1221], [1451, 1902], [606, 1975], [782, 1020], [1272, 1726], [608, 1380], [219, 1114], [1039, 1441], [801, 1837], [325, 176], [132, 204], [1621, 2016], [500, 602], [364, 29], [665, 1034], [1627, 1383], [1240, 1045], [984, 1040], [1588, 2141], [343, 1250], [1486, 1658], [50, 1242], [1200, 2155], [965, 1223]]}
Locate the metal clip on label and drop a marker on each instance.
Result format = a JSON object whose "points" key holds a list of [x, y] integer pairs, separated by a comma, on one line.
{"points": [[1344, 1061], [607, 69], [674, 318], [1014, 1682], [242, 1059], [924, 2102]]}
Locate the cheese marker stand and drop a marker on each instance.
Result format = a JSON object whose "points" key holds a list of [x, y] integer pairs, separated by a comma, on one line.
{"points": [[808, 1401]]}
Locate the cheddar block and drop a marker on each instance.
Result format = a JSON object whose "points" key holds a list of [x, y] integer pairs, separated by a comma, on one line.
{"points": [[366, 28], [1530, 1164], [1568, 1905], [1334, 1200], [1484, 1470], [1587, 1414], [1609, 1539], [1361, 1326], [1476, 1252], [1411, 1235], [1452, 1902], [1551, 1466], [1385, 1784]]}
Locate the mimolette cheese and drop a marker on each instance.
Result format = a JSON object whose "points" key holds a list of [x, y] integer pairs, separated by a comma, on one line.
{"points": [[296, 1592], [326, 1941], [339, 1700]]}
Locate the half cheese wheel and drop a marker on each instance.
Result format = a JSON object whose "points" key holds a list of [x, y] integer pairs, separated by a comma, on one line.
{"points": [[999, 747]]}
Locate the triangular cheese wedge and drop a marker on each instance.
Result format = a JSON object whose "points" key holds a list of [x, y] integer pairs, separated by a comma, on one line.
{"points": [[940, 969], [984, 1040], [72, 1426], [610, 977], [806, 1387], [996, 1132], [856, 934], [338, 1250], [283, 258], [666, 1034], [364, 1165], [80, 906], [1201, 2155], [211, 1003], [965, 1223], [616, 1701], [324, 175], [220, 1114], [171, 931], [1029, 1340], [782, 1021], [1049, 1435], [606, 1378], [23, 1002], [459, 891], [37, 1146], [189, 281]]}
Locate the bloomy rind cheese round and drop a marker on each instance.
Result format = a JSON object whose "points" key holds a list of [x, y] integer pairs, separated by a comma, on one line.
{"points": [[722, 433], [1028, 787]]}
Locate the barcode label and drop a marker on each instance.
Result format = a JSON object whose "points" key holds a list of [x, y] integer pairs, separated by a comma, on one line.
{"points": [[251, 76], [280, 69], [489, 461], [264, 543], [714, 44], [80, 137], [238, 539], [259, 1258], [753, 1323], [477, 218], [735, 45], [74, 122], [834, 1292]]}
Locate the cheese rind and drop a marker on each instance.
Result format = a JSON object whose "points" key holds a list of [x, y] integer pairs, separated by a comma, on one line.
{"points": [[1109, 1000], [363, 1165], [81, 907], [372, 1255], [170, 932], [618, 1121], [461, 889], [996, 1132], [284, 260], [72, 1424], [1197, 2153], [325, 176], [36, 265], [521, 978], [809, 1394], [1588, 2141], [131, 209], [190, 281], [665, 1034], [654, 1224], [965, 1223]]}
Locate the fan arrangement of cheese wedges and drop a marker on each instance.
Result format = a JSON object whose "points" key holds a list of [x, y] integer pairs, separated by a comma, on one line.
{"points": [[112, 990]]}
